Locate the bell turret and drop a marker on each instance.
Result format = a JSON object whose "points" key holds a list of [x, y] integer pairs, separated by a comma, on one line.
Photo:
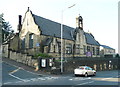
{"points": [[79, 22]]}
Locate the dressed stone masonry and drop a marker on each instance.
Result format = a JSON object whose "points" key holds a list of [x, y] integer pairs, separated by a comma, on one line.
{"points": [[39, 34]]}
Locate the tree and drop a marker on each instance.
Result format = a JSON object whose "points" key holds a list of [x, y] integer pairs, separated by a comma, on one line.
{"points": [[5, 28], [1, 19], [117, 55], [5, 25]]}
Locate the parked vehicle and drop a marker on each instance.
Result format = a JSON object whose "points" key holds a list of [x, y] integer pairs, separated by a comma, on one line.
{"points": [[84, 70]]}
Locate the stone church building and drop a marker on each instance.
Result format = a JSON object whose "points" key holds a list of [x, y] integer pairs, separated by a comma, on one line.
{"points": [[41, 35]]}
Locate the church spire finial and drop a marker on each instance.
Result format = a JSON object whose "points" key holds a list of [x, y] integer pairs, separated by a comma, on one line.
{"points": [[28, 8], [88, 31]]}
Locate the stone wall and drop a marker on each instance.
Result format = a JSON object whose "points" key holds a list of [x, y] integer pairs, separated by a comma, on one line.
{"points": [[99, 64], [69, 64], [22, 58], [14, 42], [5, 50]]}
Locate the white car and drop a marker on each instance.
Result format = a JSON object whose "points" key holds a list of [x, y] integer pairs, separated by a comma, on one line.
{"points": [[84, 70]]}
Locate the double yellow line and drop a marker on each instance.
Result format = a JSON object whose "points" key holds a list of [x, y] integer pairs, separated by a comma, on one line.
{"points": [[15, 70]]}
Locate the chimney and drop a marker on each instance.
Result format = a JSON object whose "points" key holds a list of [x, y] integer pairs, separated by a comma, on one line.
{"points": [[19, 23]]}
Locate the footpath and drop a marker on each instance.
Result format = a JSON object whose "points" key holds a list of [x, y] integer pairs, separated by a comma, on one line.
{"points": [[25, 67], [31, 69]]}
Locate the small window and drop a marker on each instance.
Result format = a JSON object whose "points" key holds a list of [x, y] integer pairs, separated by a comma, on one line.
{"points": [[77, 49], [3, 49], [23, 44], [31, 41], [97, 51], [68, 49], [59, 47], [54, 48], [84, 49], [88, 48], [93, 50], [31, 36]]}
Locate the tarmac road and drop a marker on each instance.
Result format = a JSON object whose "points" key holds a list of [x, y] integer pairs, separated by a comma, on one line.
{"points": [[13, 75]]}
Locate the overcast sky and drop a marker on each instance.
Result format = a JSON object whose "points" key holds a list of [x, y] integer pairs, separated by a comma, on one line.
{"points": [[100, 17]]}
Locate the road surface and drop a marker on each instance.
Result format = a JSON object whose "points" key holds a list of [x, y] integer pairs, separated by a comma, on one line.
{"points": [[13, 75]]}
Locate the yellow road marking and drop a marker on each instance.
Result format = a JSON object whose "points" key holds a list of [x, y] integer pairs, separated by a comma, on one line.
{"points": [[14, 71], [108, 79]]}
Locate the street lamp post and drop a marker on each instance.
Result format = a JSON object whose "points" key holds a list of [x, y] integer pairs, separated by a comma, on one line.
{"points": [[62, 38]]}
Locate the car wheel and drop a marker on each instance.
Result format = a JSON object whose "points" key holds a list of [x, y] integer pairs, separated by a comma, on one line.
{"points": [[76, 75], [86, 75], [94, 74]]}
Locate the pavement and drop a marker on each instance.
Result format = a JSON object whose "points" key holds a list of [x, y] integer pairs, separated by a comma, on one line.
{"points": [[31, 69], [15, 73], [25, 67]]}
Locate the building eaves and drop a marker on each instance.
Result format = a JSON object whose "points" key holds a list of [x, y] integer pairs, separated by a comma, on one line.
{"points": [[107, 47]]}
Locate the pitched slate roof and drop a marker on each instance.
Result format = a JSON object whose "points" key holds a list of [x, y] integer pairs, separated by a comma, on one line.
{"points": [[106, 47], [90, 39], [52, 28]]}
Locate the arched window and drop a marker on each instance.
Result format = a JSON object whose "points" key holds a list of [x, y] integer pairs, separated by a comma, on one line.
{"points": [[31, 41], [23, 44], [68, 49], [77, 49]]}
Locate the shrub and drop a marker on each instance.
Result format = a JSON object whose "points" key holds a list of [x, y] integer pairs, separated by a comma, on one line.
{"points": [[43, 55], [117, 55]]}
